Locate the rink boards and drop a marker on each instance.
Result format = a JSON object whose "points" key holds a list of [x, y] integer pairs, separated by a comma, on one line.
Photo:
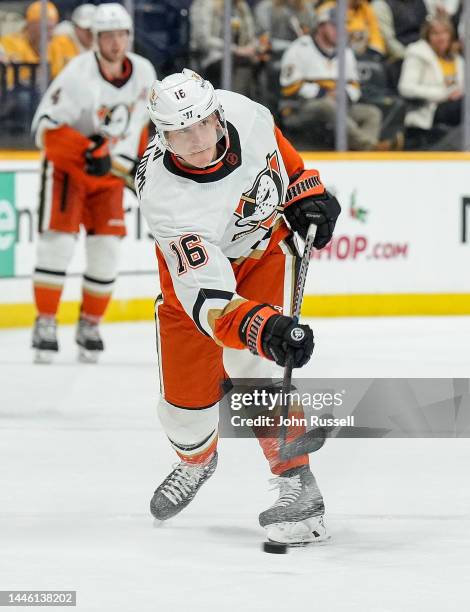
{"points": [[401, 245]]}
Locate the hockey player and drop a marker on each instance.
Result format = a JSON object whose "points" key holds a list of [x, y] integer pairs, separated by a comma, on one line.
{"points": [[90, 124], [214, 186], [76, 35]]}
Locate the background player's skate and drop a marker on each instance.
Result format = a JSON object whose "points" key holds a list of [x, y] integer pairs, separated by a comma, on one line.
{"points": [[45, 339], [88, 338]]}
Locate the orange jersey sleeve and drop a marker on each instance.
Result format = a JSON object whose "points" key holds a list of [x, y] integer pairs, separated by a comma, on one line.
{"points": [[143, 142], [291, 158]]}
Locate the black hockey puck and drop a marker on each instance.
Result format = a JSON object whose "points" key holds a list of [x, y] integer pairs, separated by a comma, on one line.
{"points": [[275, 548]]}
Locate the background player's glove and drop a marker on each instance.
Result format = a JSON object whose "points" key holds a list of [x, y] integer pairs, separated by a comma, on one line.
{"points": [[265, 332], [97, 158], [309, 202]]}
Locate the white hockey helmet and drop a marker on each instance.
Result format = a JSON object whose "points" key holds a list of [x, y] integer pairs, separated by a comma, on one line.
{"points": [[182, 100], [111, 16], [83, 15]]}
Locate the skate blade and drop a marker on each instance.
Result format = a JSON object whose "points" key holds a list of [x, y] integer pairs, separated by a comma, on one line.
{"points": [[85, 356], [301, 533], [43, 357]]}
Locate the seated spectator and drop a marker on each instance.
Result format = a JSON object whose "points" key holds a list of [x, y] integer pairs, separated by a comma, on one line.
{"points": [[23, 47], [432, 78], [309, 72], [283, 21], [400, 23], [363, 29], [10, 21], [207, 23], [75, 35]]}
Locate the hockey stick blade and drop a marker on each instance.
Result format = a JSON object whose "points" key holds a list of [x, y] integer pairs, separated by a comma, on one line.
{"points": [[307, 443]]}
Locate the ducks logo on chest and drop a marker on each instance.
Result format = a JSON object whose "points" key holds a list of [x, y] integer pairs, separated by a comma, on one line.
{"points": [[259, 205]]}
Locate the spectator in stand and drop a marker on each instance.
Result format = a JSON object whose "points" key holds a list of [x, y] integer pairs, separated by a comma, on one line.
{"points": [[283, 21], [432, 78], [400, 22], [76, 35], [363, 29], [206, 22], [444, 7], [309, 72], [278, 23], [23, 46]]}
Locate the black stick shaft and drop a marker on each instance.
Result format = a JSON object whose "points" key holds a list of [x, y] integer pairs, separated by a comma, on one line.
{"points": [[297, 305]]}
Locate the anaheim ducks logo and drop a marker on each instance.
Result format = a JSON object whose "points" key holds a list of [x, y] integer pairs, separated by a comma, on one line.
{"points": [[259, 205], [114, 120]]}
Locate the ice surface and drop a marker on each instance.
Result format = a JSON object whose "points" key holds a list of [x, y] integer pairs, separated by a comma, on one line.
{"points": [[81, 452]]}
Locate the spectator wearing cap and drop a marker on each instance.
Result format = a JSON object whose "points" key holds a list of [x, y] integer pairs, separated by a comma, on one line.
{"points": [[309, 73], [23, 47]]}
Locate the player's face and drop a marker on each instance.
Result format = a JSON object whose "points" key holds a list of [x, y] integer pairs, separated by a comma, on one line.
{"points": [[85, 36], [113, 45], [196, 144]]}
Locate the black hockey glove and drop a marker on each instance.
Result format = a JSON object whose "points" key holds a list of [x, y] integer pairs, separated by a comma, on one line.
{"points": [[265, 332], [281, 336], [97, 158], [309, 202], [320, 210]]}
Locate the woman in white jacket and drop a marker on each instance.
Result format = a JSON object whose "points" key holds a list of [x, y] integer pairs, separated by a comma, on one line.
{"points": [[432, 78]]}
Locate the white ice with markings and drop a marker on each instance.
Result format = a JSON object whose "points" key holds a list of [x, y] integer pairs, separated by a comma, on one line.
{"points": [[81, 452]]}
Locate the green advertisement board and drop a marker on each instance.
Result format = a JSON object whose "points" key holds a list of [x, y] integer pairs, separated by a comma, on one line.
{"points": [[7, 224]]}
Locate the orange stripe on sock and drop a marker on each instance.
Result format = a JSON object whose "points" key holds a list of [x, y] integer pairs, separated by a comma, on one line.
{"points": [[47, 299], [94, 305], [203, 457], [270, 445]]}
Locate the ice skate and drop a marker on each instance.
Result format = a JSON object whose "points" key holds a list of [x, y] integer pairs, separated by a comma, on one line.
{"points": [[45, 339], [89, 341], [296, 518], [180, 487]]}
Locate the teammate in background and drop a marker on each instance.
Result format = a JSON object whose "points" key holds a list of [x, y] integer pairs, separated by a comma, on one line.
{"points": [[75, 36], [91, 123], [214, 186]]}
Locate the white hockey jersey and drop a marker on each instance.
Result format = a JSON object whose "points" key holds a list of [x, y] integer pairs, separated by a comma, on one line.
{"points": [[82, 98], [306, 70], [204, 221]]}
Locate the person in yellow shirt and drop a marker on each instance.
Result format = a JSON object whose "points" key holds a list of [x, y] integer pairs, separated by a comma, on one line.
{"points": [[24, 46], [363, 28]]}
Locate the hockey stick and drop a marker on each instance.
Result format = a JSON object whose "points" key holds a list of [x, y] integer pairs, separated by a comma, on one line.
{"points": [[312, 440], [122, 173]]}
